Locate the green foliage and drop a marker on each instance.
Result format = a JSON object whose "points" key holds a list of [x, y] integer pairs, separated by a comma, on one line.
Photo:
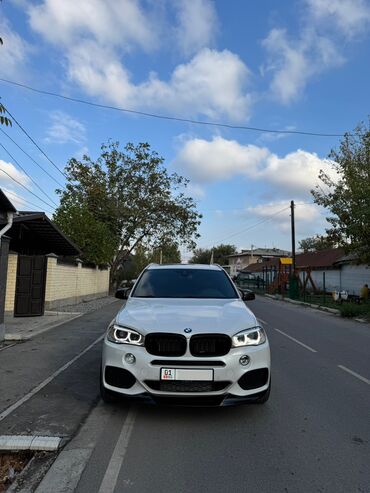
{"points": [[143, 256], [350, 310], [92, 236], [348, 198], [220, 254], [4, 120], [316, 243], [129, 199]]}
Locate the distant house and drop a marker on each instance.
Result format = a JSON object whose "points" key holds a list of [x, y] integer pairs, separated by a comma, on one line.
{"points": [[338, 271], [240, 261]]}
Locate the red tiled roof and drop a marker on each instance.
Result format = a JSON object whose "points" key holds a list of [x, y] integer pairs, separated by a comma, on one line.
{"points": [[324, 258]]}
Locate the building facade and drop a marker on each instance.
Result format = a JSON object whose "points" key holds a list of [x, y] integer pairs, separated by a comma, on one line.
{"points": [[240, 261]]}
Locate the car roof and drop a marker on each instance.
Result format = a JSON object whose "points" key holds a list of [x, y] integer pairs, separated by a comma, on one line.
{"points": [[185, 266]]}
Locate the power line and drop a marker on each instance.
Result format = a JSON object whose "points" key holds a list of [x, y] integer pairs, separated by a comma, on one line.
{"points": [[34, 142], [8, 192], [253, 226], [172, 118], [32, 159], [29, 176], [28, 190]]}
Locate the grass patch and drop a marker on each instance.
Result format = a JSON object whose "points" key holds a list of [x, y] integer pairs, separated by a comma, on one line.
{"points": [[350, 311]]}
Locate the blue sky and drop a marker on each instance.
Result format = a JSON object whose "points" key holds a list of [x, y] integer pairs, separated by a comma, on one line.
{"points": [[298, 65]]}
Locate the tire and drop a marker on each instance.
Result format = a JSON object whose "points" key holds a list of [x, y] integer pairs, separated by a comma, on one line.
{"points": [[108, 396], [263, 397]]}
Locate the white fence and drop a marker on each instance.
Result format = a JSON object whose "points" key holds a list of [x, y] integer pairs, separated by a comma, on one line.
{"points": [[348, 278]]}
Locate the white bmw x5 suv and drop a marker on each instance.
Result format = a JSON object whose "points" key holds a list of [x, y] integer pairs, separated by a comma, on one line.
{"points": [[185, 335]]}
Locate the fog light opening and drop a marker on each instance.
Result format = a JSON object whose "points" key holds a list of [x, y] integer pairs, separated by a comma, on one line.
{"points": [[244, 360], [130, 358]]}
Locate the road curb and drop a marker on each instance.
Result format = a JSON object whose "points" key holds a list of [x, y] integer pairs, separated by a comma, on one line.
{"points": [[29, 442], [334, 311], [66, 471], [22, 338]]}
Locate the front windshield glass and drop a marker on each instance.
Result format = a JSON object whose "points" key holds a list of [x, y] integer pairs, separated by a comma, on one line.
{"points": [[184, 283]]}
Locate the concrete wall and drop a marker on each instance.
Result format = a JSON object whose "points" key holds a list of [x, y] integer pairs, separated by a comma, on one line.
{"points": [[69, 284], [353, 277], [349, 278], [10, 282], [241, 262]]}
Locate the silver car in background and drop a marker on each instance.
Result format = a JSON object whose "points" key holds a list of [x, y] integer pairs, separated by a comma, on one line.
{"points": [[185, 335]]}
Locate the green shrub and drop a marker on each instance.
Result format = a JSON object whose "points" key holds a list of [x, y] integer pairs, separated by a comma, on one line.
{"points": [[350, 310]]}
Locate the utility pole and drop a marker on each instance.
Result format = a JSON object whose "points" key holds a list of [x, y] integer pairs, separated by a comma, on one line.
{"points": [[293, 234]]}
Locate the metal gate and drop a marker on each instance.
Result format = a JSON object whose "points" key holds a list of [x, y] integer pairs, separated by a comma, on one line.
{"points": [[30, 286]]}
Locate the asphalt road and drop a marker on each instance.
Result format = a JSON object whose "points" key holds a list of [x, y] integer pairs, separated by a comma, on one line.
{"points": [[313, 435], [49, 384]]}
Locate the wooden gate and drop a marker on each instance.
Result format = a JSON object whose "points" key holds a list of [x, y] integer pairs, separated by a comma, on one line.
{"points": [[30, 286]]}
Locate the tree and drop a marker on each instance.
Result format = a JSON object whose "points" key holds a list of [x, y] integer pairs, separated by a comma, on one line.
{"points": [[316, 243], [4, 120], [170, 254], [144, 256], [220, 255], [128, 199], [348, 197]]}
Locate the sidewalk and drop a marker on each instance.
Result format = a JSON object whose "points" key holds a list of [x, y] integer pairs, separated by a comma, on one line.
{"points": [[24, 328], [50, 383]]}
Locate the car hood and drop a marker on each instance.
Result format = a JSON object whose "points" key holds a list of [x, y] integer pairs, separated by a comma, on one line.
{"points": [[174, 315]]}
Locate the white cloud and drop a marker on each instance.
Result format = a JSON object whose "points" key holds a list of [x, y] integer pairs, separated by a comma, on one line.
{"points": [[220, 159], [195, 190], [197, 23], [120, 23], [65, 129], [350, 16], [211, 84], [294, 62], [13, 53], [307, 216], [18, 201], [297, 172], [95, 36], [9, 171]]}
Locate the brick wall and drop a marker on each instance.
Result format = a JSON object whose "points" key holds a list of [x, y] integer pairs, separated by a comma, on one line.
{"points": [[70, 284], [65, 284], [10, 282]]}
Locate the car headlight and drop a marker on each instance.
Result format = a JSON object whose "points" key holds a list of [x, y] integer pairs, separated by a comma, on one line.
{"points": [[124, 335], [250, 337]]}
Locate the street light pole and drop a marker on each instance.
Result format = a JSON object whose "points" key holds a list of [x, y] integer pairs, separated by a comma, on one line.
{"points": [[293, 233]]}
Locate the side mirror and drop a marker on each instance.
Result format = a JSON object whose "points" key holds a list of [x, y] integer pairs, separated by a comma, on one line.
{"points": [[122, 293], [247, 295]]}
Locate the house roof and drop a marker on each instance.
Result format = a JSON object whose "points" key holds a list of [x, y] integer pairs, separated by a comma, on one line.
{"points": [[262, 252], [316, 260], [322, 258], [5, 204], [35, 232]]}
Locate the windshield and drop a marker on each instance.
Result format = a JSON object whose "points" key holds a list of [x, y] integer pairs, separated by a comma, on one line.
{"points": [[184, 283]]}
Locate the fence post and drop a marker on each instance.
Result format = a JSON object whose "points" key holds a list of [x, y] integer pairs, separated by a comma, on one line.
{"points": [[324, 286]]}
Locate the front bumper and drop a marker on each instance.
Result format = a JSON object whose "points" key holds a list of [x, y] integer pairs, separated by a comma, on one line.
{"points": [[146, 370]]}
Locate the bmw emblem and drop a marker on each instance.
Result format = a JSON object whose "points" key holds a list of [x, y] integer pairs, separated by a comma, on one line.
{"points": [[187, 330]]}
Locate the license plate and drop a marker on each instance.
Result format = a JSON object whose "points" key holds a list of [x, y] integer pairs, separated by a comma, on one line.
{"points": [[185, 374]]}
